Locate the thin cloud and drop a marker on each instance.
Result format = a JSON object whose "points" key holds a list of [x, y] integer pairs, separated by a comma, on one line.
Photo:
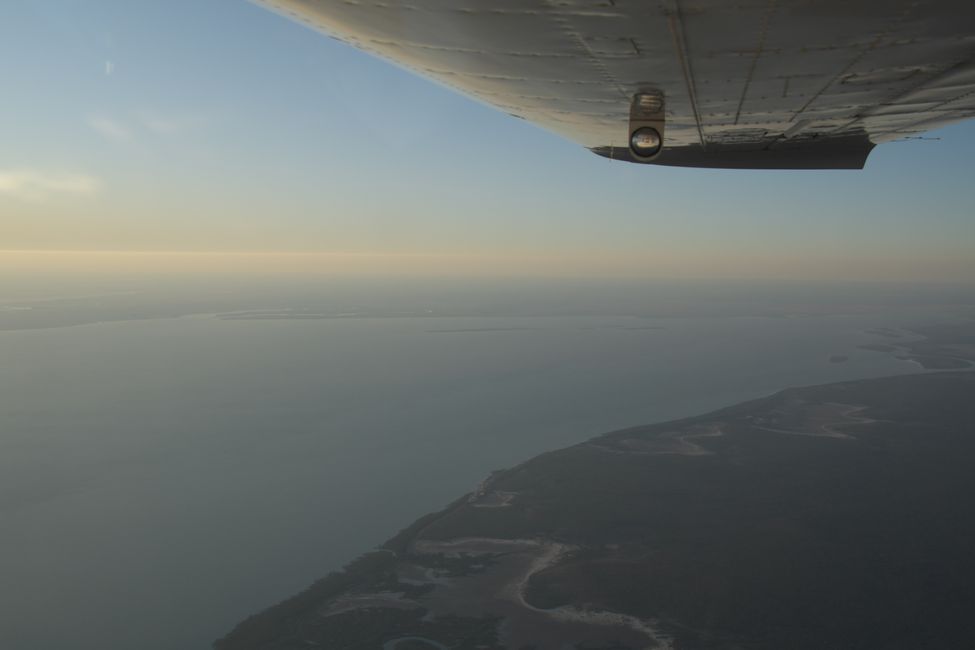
{"points": [[109, 128], [168, 124], [32, 185], [142, 124], [109, 68]]}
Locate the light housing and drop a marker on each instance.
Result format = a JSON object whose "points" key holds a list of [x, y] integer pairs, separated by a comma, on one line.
{"points": [[647, 121]]}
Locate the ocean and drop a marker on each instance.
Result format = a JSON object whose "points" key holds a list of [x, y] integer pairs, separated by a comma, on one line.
{"points": [[163, 478]]}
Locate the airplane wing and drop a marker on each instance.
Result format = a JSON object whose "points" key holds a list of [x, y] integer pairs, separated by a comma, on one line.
{"points": [[769, 84]]}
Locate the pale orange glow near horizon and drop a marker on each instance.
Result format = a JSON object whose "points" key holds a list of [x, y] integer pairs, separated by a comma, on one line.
{"points": [[701, 264]]}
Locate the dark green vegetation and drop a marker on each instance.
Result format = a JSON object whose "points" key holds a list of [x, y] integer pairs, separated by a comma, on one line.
{"points": [[944, 347], [774, 540], [781, 541], [297, 622], [285, 619], [947, 346], [877, 347], [838, 516], [367, 629]]}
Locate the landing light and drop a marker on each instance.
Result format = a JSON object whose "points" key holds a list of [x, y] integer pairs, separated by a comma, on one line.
{"points": [[645, 142]]}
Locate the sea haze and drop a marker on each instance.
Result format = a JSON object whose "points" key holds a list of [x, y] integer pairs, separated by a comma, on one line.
{"points": [[199, 456]]}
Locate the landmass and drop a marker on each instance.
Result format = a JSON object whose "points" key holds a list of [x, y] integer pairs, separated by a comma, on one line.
{"points": [[877, 347], [471, 330], [945, 346], [839, 516], [889, 332]]}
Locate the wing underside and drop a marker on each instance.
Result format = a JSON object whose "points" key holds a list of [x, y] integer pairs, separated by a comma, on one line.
{"points": [[793, 84]]}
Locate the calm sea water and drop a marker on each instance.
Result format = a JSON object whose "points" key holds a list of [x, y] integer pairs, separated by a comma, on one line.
{"points": [[162, 479]]}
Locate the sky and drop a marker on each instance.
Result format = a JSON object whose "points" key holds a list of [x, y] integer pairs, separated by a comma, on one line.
{"points": [[187, 136]]}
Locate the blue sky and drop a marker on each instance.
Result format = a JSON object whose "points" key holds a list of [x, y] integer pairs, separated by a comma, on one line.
{"points": [[179, 126]]}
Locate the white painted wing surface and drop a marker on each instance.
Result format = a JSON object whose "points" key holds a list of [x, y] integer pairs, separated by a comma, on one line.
{"points": [[747, 83]]}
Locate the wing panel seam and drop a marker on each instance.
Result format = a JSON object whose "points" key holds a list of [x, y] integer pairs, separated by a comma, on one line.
{"points": [[759, 50], [676, 24]]}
